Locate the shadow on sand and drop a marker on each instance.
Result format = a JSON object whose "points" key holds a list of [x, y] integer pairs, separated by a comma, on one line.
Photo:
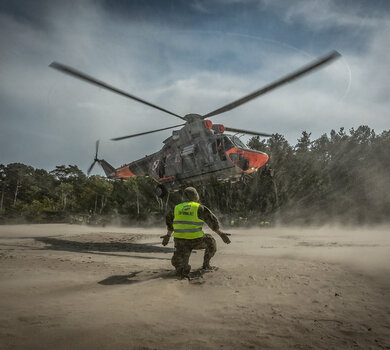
{"points": [[137, 277], [105, 248], [195, 277]]}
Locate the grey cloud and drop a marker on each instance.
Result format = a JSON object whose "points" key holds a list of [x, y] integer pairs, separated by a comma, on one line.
{"points": [[320, 14]]}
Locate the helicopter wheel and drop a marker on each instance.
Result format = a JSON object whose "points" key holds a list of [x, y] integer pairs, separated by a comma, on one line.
{"points": [[161, 191]]}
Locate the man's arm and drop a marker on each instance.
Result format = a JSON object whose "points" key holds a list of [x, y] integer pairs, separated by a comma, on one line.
{"points": [[208, 217], [169, 222], [211, 220]]}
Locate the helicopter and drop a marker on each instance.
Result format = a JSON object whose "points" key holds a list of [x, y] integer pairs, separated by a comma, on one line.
{"points": [[200, 150]]}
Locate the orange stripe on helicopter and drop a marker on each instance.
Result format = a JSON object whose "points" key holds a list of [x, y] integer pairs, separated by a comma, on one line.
{"points": [[124, 172], [166, 178]]}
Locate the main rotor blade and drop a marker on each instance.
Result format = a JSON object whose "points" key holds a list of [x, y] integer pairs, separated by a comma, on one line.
{"points": [[80, 75], [287, 79], [97, 148], [241, 131], [145, 133]]}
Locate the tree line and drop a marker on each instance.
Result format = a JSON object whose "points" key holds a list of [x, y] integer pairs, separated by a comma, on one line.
{"points": [[343, 178]]}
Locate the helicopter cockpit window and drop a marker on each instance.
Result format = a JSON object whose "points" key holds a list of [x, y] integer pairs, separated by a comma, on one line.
{"points": [[228, 144], [238, 142]]}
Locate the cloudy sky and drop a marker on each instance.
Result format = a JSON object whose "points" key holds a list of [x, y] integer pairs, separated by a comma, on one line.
{"points": [[189, 56]]}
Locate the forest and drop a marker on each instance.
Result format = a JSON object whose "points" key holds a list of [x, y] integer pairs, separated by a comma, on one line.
{"points": [[342, 178]]}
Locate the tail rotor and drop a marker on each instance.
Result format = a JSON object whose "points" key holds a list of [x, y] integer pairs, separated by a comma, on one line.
{"points": [[95, 159]]}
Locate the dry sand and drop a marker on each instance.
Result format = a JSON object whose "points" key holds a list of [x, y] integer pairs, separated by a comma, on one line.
{"points": [[79, 287]]}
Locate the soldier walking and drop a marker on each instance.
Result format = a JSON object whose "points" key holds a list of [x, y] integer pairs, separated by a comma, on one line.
{"points": [[185, 221]]}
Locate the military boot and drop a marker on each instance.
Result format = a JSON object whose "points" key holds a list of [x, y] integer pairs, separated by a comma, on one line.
{"points": [[183, 272], [186, 271], [207, 266]]}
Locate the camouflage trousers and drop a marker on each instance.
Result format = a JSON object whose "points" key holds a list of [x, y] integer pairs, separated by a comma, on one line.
{"points": [[184, 247]]}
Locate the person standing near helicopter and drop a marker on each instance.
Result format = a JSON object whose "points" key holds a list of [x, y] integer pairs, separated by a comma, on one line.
{"points": [[185, 221]]}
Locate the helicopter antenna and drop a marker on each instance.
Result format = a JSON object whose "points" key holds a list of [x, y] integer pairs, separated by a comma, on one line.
{"points": [[89, 79], [287, 79]]}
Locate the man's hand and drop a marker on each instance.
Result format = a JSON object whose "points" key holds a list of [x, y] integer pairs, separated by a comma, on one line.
{"points": [[225, 237], [165, 239]]}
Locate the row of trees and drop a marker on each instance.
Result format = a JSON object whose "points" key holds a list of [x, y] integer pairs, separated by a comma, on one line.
{"points": [[343, 177], [41, 196]]}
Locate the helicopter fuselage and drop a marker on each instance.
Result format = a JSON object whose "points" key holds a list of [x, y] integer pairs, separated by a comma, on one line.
{"points": [[197, 153]]}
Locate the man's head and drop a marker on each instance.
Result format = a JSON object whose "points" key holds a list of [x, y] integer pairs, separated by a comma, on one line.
{"points": [[190, 195]]}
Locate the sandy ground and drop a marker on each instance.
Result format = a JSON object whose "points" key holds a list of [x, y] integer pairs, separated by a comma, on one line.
{"points": [[79, 287]]}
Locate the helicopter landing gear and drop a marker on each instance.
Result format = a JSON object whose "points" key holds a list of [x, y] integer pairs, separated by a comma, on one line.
{"points": [[242, 182], [162, 195], [160, 191]]}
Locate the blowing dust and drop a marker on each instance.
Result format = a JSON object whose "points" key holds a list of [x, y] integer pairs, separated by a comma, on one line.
{"points": [[362, 248]]}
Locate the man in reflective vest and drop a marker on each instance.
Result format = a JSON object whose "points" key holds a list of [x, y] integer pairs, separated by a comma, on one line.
{"points": [[186, 223]]}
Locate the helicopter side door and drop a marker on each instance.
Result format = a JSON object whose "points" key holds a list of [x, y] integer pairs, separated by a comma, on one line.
{"points": [[218, 147], [214, 154], [188, 156]]}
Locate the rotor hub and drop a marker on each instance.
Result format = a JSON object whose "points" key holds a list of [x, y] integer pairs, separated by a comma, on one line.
{"points": [[192, 117]]}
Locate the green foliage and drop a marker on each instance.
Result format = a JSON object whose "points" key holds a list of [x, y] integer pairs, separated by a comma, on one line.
{"points": [[342, 177]]}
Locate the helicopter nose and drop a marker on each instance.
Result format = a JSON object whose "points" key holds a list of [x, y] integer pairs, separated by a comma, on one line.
{"points": [[247, 160], [256, 160]]}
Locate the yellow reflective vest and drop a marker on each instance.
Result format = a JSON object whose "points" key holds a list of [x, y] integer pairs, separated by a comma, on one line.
{"points": [[186, 223]]}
